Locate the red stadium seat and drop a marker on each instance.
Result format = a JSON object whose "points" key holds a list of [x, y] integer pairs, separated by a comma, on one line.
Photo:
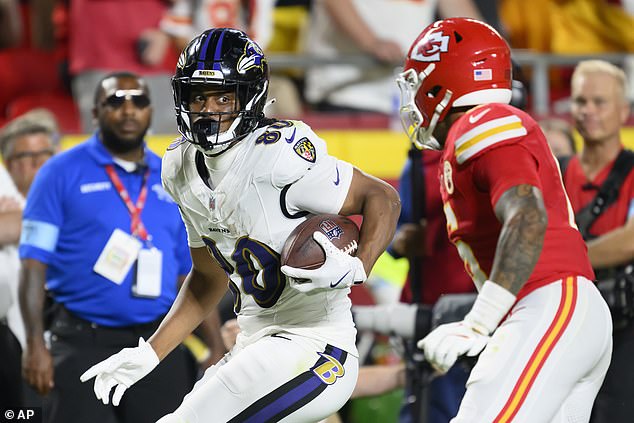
{"points": [[60, 104], [26, 71]]}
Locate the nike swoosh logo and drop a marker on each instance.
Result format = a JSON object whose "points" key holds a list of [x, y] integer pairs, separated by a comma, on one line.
{"points": [[476, 117], [292, 137], [339, 281], [336, 181]]}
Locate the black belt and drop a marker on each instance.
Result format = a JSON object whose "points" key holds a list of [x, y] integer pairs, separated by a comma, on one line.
{"points": [[65, 317]]}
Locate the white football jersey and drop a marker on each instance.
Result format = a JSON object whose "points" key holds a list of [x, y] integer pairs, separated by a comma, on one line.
{"points": [[264, 187]]}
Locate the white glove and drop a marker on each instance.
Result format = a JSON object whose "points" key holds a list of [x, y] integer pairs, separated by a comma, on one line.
{"points": [[122, 370], [340, 270], [447, 342]]}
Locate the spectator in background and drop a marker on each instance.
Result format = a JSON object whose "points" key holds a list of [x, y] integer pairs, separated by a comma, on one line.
{"points": [[109, 35], [558, 133], [381, 29], [26, 143], [599, 111], [11, 391], [106, 240]]}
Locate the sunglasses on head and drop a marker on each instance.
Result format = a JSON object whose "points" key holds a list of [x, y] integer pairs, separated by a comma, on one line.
{"points": [[138, 97]]}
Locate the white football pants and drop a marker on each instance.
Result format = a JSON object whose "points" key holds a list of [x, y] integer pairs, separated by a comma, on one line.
{"points": [[282, 377], [546, 361]]}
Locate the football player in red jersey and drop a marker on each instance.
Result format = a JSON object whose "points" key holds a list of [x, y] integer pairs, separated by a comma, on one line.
{"points": [[540, 325]]}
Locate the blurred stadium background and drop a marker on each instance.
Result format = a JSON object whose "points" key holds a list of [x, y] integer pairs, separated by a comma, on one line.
{"points": [[548, 38]]}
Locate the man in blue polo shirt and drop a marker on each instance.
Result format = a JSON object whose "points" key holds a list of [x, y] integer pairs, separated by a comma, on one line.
{"points": [[107, 242]]}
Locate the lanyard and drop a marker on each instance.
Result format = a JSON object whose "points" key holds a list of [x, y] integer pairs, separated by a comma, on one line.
{"points": [[136, 225]]}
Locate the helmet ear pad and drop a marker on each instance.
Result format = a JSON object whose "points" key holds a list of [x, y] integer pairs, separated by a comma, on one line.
{"points": [[221, 59]]}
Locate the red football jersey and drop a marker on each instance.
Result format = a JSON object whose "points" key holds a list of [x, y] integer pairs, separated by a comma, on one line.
{"points": [[489, 150], [582, 191]]}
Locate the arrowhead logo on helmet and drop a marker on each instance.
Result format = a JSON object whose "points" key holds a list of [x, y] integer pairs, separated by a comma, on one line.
{"points": [[429, 48], [455, 62]]}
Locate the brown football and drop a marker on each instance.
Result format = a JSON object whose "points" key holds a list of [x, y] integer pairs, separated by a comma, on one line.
{"points": [[302, 251]]}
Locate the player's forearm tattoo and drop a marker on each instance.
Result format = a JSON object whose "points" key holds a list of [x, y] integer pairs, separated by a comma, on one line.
{"points": [[524, 219]]}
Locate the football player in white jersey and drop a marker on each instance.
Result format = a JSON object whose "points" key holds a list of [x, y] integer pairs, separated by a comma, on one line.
{"points": [[243, 183]]}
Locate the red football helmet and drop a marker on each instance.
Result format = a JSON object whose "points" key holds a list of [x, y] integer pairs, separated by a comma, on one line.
{"points": [[453, 63]]}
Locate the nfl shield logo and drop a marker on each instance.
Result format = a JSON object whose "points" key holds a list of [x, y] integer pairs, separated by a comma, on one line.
{"points": [[331, 229]]}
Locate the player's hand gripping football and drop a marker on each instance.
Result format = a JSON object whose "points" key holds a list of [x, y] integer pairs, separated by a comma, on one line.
{"points": [[340, 270], [121, 370], [447, 342]]}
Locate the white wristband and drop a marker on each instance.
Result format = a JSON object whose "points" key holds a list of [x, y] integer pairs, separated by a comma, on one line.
{"points": [[491, 305]]}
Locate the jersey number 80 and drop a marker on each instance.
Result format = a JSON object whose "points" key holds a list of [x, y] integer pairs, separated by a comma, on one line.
{"points": [[258, 265]]}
